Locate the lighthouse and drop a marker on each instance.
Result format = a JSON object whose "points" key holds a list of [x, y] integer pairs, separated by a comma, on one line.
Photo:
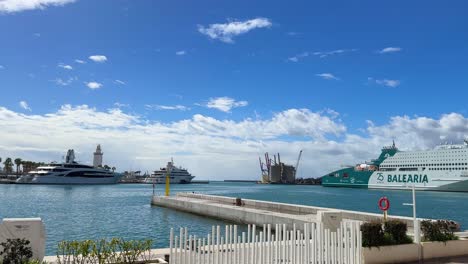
{"points": [[97, 160]]}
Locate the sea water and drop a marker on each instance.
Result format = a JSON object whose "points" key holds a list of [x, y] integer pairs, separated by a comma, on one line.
{"points": [[124, 210]]}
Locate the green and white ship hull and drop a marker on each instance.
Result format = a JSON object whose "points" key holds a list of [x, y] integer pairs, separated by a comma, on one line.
{"points": [[443, 169]]}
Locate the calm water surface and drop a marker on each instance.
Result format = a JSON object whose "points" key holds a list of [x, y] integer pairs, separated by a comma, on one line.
{"points": [[91, 212]]}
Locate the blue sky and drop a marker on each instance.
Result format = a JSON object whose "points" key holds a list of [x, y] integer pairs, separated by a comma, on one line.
{"points": [[371, 60]]}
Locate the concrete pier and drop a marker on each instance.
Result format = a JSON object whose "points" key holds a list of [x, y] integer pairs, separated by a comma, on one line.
{"points": [[262, 212]]}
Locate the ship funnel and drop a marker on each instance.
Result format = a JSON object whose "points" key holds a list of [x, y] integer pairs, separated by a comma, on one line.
{"points": [[70, 157]]}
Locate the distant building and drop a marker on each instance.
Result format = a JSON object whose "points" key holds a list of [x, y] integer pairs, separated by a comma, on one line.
{"points": [[97, 160]]}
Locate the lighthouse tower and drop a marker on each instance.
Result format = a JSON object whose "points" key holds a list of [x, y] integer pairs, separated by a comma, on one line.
{"points": [[97, 161]]}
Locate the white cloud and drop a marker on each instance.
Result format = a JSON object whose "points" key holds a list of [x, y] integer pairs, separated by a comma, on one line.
{"points": [[98, 58], [11, 6], [65, 66], [37, 35], [216, 149], [120, 105], [181, 52], [323, 54], [24, 105], [131, 141], [167, 107], [390, 50], [225, 104], [320, 54], [80, 61], [2, 67], [327, 76], [297, 57], [120, 82], [62, 82], [94, 85], [385, 82], [227, 31]]}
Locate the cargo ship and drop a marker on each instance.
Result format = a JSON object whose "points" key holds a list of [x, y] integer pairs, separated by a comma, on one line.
{"points": [[444, 168]]}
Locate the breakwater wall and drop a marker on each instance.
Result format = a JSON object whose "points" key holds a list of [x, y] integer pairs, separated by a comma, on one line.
{"points": [[247, 211]]}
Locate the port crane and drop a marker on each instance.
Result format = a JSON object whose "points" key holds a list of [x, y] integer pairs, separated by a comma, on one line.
{"points": [[297, 163]]}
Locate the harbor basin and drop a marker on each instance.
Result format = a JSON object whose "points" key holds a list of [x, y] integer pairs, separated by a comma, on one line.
{"points": [[124, 210]]}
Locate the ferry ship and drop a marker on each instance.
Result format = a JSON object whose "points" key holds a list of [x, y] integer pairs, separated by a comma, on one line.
{"points": [[177, 175], [444, 168]]}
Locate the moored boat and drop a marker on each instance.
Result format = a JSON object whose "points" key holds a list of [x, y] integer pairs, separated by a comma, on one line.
{"points": [[177, 175], [69, 172], [444, 168]]}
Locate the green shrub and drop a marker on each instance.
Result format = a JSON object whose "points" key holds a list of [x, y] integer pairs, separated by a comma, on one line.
{"points": [[16, 251], [103, 251], [397, 229], [440, 230], [35, 261], [372, 234], [376, 234]]}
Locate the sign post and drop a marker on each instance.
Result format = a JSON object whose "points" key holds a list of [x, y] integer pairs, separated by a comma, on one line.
{"points": [[417, 237], [416, 223]]}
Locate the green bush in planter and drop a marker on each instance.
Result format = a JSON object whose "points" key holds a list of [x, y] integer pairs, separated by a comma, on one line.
{"points": [[372, 234], [440, 230], [16, 251], [103, 251], [396, 231], [376, 234]]}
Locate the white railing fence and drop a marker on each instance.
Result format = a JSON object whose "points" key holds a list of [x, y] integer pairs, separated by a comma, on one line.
{"points": [[313, 244]]}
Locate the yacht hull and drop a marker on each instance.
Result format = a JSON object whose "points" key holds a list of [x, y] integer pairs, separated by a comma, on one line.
{"points": [[173, 180], [60, 180]]}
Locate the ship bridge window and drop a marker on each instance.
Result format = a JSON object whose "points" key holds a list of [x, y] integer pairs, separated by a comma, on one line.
{"points": [[345, 175]]}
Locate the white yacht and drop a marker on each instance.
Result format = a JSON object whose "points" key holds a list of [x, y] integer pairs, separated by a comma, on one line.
{"points": [[69, 172], [177, 175]]}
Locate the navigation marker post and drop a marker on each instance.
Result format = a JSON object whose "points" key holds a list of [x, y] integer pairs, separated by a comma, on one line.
{"points": [[168, 180]]}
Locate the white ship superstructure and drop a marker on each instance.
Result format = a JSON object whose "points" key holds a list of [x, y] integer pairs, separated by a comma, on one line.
{"points": [[177, 175], [69, 172], [444, 168]]}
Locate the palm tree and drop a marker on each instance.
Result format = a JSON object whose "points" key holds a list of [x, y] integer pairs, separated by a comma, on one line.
{"points": [[113, 169], [18, 164], [26, 165], [0, 163], [106, 167], [8, 165]]}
